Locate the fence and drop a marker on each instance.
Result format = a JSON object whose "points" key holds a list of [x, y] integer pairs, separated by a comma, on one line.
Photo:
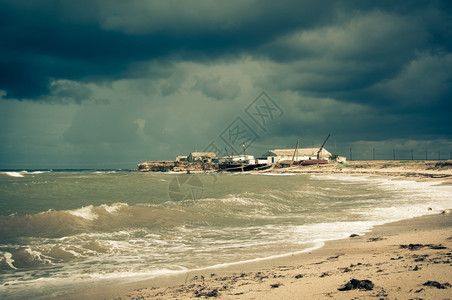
{"points": [[394, 154]]}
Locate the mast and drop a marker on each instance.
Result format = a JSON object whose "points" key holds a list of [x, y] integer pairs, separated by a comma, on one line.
{"points": [[296, 150], [232, 154]]}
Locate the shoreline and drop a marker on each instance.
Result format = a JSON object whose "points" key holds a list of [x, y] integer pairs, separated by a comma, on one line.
{"points": [[413, 170], [320, 272], [378, 256], [417, 169]]}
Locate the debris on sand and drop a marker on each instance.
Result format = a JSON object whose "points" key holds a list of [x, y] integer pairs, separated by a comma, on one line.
{"points": [[357, 284], [419, 246], [207, 294], [437, 284]]}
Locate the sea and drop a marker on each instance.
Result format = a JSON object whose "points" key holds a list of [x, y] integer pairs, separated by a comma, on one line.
{"points": [[64, 230]]}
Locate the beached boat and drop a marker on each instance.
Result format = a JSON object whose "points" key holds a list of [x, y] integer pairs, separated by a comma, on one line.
{"points": [[228, 167]]}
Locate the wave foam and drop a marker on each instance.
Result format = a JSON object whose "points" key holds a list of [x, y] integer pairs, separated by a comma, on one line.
{"points": [[34, 172], [13, 174], [114, 208], [22, 173], [8, 258], [86, 212], [104, 172]]}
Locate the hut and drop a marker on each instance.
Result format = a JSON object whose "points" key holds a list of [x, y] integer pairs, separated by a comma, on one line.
{"points": [[300, 154], [182, 158], [201, 156]]}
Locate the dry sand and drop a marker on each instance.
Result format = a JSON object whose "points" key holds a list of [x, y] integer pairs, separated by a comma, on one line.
{"points": [[411, 169], [410, 259]]}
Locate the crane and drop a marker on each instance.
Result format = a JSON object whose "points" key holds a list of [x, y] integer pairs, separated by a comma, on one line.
{"points": [[321, 147]]}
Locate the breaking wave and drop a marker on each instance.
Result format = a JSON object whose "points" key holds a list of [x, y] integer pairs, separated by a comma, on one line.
{"points": [[13, 174], [142, 232]]}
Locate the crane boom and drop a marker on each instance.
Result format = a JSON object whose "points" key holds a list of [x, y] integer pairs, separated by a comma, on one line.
{"points": [[321, 147]]}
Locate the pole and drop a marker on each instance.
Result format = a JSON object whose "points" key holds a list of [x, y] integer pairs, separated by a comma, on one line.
{"points": [[411, 154], [393, 150], [296, 150], [351, 157], [426, 155], [232, 154], [373, 153]]}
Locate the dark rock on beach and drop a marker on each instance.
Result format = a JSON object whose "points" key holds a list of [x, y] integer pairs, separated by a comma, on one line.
{"points": [[207, 294], [437, 284], [420, 246], [357, 284]]}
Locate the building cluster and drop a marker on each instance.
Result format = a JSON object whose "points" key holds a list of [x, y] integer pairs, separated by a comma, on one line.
{"points": [[208, 161]]}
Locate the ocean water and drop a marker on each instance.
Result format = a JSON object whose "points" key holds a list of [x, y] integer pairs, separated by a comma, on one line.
{"points": [[64, 230]]}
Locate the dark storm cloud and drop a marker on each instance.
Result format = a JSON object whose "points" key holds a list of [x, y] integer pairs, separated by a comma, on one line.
{"points": [[155, 78], [100, 40], [339, 45], [355, 54]]}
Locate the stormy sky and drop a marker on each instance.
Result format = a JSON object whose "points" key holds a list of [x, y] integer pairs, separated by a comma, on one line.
{"points": [[109, 84]]}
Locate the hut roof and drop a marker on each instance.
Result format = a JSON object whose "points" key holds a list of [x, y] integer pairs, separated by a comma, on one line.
{"points": [[300, 152], [203, 154]]}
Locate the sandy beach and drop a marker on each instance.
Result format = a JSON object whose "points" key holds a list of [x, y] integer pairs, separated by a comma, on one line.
{"points": [[409, 259], [408, 169]]}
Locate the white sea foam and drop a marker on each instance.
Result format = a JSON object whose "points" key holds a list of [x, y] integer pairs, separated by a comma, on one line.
{"points": [[104, 172], [36, 255], [34, 172], [8, 258], [114, 208], [85, 212], [13, 174], [321, 232], [71, 251], [137, 275], [22, 173], [241, 201]]}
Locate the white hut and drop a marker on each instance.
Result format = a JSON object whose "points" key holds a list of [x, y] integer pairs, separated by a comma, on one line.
{"points": [[201, 156], [301, 154]]}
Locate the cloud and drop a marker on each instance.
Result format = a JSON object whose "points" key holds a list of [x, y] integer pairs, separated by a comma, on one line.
{"points": [[423, 82], [137, 17], [350, 55], [217, 88], [106, 41], [110, 81], [68, 91], [358, 37]]}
